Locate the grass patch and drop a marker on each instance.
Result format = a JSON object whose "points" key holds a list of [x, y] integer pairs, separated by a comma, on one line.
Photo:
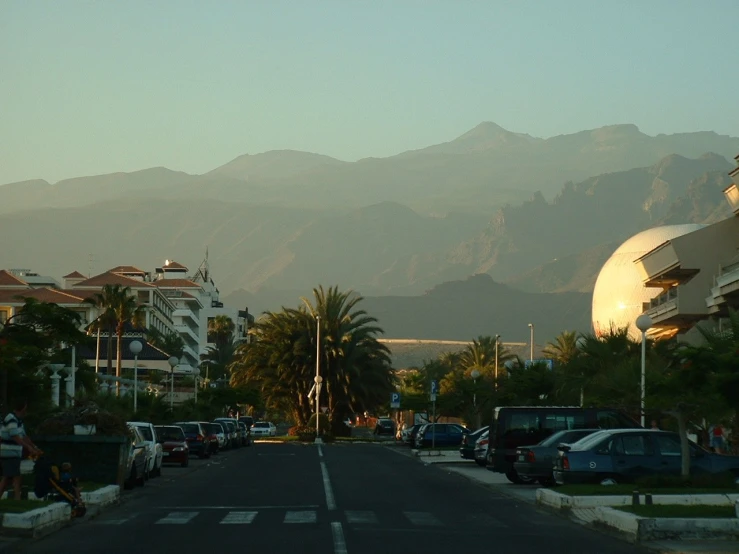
{"points": [[671, 510], [620, 490], [20, 506]]}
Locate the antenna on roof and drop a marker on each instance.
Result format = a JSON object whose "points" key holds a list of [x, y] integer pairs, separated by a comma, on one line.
{"points": [[91, 259]]}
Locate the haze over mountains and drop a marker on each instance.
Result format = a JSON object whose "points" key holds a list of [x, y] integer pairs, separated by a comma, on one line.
{"points": [[540, 215]]}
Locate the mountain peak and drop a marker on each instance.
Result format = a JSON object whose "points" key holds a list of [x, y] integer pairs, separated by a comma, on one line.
{"points": [[485, 130]]}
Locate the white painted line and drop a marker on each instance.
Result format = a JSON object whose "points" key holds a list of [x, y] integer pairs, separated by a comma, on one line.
{"points": [[339, 542], [283, 507], [361, 517], [423, 519], [239, 518], [330, 502], [177, 518], [320, 451], [303, 516]]}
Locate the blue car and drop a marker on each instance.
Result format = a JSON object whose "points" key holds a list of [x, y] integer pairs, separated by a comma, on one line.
{"points": [[625, 455], [440, 434]]}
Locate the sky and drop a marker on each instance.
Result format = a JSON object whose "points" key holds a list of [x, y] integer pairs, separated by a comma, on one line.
{"points": [[98, 87]]}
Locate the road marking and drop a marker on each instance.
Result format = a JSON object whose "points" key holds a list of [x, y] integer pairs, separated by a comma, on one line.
{"points": [[339, 542], [320, 451], [330, 502], [236, 518], [115, 521], [422, 519], [288, 507], [304, 516], [360, 517], [276, 454], [177, 518]]}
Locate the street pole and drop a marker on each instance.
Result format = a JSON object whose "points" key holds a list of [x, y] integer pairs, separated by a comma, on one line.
{"points": [[433, 425], [643, 323], [135, 348], [97, 352], [531, 327], [172, 361], [497, 340], [318, 378]]}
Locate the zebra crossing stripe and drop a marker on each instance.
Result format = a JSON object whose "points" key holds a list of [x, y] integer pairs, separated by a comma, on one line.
{"points": [[422, 519], [177, 518], [361, 517], [303, 516], [236, 518]]}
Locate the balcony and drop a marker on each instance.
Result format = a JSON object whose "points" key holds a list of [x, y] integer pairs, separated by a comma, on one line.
{"points": [[187, 333], [191, 356], [725, 293], [186, 313], [659, 304]]}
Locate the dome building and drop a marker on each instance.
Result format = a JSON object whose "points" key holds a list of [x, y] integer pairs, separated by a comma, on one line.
{"points": [[619, 291]]}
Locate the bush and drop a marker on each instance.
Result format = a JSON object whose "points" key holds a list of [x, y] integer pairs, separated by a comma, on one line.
{"points": [[701, 481], [85, 413], [324, 425]]}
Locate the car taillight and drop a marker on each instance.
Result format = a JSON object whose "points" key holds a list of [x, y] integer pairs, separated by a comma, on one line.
{"points": [[565, 462], [530, 457], [199, 438], [484, 442]]}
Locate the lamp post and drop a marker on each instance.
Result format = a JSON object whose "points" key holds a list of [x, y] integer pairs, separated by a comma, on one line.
{"points": [[196, 373], [497, 342], [318, 379], [173, 361], [55, 369], [135, 347], [580, 345], [531, 328], [643, 323], [475, 374]]}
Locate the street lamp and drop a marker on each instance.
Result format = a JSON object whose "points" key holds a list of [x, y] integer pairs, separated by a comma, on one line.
{"points": [[475, 374], [643, 323], [497, 342], [318, 379], [173, 361], [581, 342], [531, 327], [135, 347]]}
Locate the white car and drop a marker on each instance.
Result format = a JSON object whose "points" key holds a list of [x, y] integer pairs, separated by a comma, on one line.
{"points": [[153, 447], [263, 429]]}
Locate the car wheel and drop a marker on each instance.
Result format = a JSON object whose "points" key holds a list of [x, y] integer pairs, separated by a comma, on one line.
{"points": [[141, 480], [131, 481], [514, 477], [609, 480]]}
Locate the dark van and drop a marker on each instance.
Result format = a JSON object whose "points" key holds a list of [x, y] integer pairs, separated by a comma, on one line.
{"points": [[516, 426]]}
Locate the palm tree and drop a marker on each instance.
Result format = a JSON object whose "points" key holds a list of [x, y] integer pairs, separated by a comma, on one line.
{"points": [[105, 300], [126, 309], [171, 343], [220, 329], [563, 349]]}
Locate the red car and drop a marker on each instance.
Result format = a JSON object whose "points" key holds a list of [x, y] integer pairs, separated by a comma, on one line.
{"points": [[174, 445]]}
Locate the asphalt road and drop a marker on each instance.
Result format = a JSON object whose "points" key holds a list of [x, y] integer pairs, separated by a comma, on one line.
{"points": [[354, 498]]}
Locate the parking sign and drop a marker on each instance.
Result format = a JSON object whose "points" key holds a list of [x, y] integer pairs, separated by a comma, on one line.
{"points": [[395, 400], [434, 387]]}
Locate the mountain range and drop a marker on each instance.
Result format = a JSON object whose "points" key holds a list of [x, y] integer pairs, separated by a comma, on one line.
{"points": [[537, 217]]}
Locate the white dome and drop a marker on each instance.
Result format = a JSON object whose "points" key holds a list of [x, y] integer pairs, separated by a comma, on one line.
{"points": [[619, 292]]}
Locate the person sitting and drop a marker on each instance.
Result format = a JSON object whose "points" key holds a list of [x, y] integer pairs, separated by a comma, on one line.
{"points": [[69, 482]]}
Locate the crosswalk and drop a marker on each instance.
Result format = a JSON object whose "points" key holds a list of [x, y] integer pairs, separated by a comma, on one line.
{"points": [[358, 518]]}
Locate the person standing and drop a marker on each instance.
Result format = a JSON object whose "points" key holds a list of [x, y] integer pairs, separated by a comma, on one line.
{"points": [[13, 439], [717, 439]]}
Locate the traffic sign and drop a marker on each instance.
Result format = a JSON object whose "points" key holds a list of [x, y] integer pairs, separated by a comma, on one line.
{"points": [[395, 400], [434, 388]]}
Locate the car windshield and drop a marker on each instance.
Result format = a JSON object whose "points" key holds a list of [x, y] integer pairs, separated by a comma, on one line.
{"points": [[170, 433], [565, 436], [261, 424], [189, 428], [586, 443], [145, 432]]}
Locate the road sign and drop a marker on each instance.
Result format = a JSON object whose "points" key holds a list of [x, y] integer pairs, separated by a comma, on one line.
{"points": [[395, 400], [434, 388], [433, 398]]}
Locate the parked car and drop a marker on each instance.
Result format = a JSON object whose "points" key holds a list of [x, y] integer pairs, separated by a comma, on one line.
{"points": [[384, 426], [409, 434], [535, 463], [234, 432], [481, 448], [263, 429], [137, 460], [174, 445], [247, 420], [222, 434], [211, 437], [154, 455], [245, 434], [440, 434], [196, 439], [624, 455], [467, 449], [517, 426]]}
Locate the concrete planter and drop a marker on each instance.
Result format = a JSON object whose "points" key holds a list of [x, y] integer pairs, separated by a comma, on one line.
{"points": [[558, 501], [104, 496], [94, 458], [37, 522]]}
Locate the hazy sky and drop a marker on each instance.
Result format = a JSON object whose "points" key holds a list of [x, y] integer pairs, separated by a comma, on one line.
{"points": [[97, 87]]}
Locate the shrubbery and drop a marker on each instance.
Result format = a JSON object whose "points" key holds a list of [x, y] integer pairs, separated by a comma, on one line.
{"points": [[701, 481]]}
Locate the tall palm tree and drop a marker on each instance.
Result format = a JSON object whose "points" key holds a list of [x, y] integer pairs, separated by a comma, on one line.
{"points": [[220, 329], [563, 349], [105, 300], [126, 309]]}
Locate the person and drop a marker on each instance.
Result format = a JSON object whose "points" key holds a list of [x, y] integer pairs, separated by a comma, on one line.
{"points": [[654, 425], [69, 481], [13, 440], [717, 439]]}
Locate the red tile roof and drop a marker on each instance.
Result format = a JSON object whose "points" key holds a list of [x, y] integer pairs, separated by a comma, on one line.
{"points": [[7, 279], [176, 284], [111, 278], [75, 275], [127, 269], [174, 265], [16, 296]]}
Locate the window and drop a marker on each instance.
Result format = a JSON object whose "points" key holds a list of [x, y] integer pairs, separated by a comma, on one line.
{"points": [[560, 422], [632, 445], [668, 445]]}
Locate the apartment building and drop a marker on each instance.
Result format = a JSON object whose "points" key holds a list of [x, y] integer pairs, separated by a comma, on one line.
{"points": [[697, 273]]}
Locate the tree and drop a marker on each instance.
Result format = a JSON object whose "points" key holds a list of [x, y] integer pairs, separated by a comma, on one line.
{"points": [[126, 311], [218, 358], [105, 300], [170, 343], [564, 348], [221, 330]]}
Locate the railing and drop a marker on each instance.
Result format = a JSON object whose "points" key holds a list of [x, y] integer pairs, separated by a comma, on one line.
{"points": [[667, 296]]}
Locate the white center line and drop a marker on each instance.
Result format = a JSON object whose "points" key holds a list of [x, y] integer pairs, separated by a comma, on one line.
{"points": [[303, 516], [320, 451], [330, 502], [339, 542], [236, 518], [177, 518]]}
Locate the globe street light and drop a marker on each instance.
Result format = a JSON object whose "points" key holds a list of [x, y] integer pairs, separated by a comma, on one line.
{"points": [[643, 323], [135, 347], [173, 361]]}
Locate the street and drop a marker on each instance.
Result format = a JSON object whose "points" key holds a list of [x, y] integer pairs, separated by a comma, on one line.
{"points": [[348, 498]]}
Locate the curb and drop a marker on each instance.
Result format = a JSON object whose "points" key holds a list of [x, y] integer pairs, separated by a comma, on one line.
{"points": [[559, 501], [37, 522], [104, 496]]}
